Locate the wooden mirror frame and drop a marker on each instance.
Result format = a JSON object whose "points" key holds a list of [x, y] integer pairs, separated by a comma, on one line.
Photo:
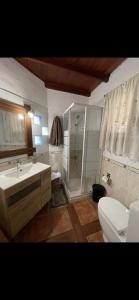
{"points": [[28, 149]]}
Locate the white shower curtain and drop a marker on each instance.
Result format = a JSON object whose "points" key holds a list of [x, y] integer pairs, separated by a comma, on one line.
{"points": [[120, 124]]}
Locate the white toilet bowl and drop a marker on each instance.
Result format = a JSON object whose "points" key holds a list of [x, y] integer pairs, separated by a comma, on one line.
{"points": [[118, 223]]}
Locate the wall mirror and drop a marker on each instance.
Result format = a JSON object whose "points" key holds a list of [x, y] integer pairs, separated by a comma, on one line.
{"points": [[15, 130]]}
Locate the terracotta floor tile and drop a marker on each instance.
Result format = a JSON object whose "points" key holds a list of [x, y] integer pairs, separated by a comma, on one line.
{"points": [[74, 222], [3, 238], [61, 221], [67, 237], [35, 231], [91, 228], [85, 211], [95, 237], [46, 224]]}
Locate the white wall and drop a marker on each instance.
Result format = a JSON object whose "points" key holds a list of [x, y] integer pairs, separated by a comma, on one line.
{"points": [[18, 85], [124, 72], [37, 129], [58, 102], [15, 79], [124, 186]]}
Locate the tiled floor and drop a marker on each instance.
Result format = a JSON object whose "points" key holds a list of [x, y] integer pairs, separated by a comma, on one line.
{"points": [[85, 212], [3, 238], [75, 222]]}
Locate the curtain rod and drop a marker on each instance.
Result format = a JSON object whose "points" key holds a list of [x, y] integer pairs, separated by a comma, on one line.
{"points": [[123, 83]]}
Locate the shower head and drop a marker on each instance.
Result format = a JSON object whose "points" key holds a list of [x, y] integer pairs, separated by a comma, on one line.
{"points": [[76, 120]]}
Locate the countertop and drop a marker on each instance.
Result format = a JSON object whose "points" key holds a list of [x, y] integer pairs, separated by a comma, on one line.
{"points": [[6, 182]]}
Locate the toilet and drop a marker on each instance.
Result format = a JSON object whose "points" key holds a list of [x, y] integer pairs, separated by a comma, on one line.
{"points": [[118, 223]]}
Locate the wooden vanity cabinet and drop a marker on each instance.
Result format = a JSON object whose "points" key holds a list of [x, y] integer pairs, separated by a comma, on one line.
{"points": [[20, 203], [45, 186]]}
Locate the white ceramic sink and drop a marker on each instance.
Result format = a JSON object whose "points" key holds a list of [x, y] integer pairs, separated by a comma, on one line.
{"points": [[11, 177], [23, 169]]}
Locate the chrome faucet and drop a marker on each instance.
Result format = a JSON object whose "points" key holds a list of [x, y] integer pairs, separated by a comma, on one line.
{"points": [[18, 166]]}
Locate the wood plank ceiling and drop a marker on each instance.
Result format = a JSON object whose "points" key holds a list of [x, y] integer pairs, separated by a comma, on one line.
{"points": [[77, 75]]}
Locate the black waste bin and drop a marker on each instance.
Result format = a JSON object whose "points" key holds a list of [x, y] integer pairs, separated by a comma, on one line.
{"points": [[98, 191]]}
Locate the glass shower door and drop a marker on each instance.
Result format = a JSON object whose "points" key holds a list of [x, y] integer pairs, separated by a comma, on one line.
{"points": [[77, 120], [92, 153], [66, 156]]}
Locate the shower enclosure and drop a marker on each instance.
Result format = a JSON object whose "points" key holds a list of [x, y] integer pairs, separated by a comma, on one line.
{"points": [[82, 157]]}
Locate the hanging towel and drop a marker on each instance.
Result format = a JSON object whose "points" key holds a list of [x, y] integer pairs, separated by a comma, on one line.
{"points": [[56, 136]]}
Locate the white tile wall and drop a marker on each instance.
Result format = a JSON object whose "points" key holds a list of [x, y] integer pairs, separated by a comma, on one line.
{"points": [[66, 133], [65, 163], [66, 140], [92, 154], [92, 138], [66, 151], [93, 119], [125, 181], [91, 165]]}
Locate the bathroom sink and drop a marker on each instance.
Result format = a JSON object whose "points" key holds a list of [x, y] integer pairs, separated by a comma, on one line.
{"points": [[9, 178], [13, 174], [23, 169]]}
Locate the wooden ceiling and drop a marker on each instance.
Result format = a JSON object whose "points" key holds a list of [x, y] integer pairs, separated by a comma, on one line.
{"points": [[77, 75]]}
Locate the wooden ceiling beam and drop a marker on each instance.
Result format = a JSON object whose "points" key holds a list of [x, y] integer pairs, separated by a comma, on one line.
{"points": [[66, 88], [68, 66]]}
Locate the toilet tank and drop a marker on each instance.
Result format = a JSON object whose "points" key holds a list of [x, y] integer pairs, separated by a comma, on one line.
{"points": [[133, 223]]}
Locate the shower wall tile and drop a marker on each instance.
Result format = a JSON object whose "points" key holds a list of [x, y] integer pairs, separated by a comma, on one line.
{"points": [[93, 118], [66, 140], [91, 165], [91, 175], [56, 160], [76, 142], [133, 186], [125, 182], [90, 172], [88, 181], [92, 138], [65, 163], [92, 154], [66, 132], [66, 151], [75, 163]]}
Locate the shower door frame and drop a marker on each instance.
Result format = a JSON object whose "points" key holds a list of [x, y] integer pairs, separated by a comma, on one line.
{"points": [[86, 106], [84, 135], [95, 107], [68, 157]]}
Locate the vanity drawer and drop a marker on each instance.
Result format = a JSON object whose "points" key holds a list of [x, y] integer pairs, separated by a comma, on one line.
{"points": [[46, 172], [20, 186], [46, 197], [23, 211]]}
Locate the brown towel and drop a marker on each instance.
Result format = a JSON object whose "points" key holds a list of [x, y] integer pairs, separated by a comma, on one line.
{"points": [[56, 136]]}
